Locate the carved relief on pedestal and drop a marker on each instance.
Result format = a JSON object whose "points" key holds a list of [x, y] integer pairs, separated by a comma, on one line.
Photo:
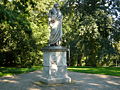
{"points": [[55, 67]]}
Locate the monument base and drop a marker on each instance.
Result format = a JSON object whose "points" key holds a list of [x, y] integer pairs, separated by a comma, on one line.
{"points": [[55, 67], [55, 80]]}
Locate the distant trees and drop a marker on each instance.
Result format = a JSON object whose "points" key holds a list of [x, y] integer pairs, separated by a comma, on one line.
{"points": [[89, 29], [23, 31]]}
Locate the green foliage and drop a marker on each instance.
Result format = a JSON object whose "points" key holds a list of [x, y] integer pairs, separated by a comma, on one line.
{"points": [[23, 32], [15, 32], [87, 28]]}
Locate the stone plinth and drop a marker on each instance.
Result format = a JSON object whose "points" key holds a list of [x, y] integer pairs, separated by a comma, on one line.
{"points": [[55, 67]]}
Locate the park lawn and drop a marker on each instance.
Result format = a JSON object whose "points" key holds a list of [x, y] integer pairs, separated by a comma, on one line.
{"points": [[4, 71], [114, 71]]}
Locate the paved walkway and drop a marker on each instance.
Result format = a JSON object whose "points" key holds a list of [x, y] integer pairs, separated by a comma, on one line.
{"points": [[82, 82]]}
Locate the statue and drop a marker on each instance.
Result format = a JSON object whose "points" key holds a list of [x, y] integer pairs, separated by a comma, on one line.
{"points": [[55, 22], [54, 56]]}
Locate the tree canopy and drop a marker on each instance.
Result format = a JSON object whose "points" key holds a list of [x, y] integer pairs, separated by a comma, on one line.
{"points": [[91, 31]]}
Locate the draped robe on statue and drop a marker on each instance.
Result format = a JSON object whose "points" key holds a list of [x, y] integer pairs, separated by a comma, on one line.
{"points": [[55, 22]]}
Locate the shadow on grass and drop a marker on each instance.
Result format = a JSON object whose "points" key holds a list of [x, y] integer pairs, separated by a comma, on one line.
{"points": [[13, 71]]}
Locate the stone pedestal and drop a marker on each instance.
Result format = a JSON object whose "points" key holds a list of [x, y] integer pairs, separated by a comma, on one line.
{"points": [[55, 67]]}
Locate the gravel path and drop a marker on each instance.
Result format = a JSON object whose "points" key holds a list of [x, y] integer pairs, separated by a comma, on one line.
{"points": [[82, 82]]}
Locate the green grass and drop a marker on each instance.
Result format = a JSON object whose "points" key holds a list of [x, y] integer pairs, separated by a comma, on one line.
{"points": [[13, 70], [114, 71]]}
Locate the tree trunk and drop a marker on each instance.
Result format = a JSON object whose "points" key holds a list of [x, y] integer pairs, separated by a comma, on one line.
{"points": [[79, 63]]}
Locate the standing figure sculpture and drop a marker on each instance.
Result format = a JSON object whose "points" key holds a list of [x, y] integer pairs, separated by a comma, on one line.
{"points": [[55, 22]]}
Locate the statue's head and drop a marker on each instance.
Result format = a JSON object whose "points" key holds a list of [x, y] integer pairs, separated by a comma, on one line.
{"points": [[56, 5]]}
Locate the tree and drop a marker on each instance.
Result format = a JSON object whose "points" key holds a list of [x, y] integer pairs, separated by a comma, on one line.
{"points": [[24, 31], [88, 24]]}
